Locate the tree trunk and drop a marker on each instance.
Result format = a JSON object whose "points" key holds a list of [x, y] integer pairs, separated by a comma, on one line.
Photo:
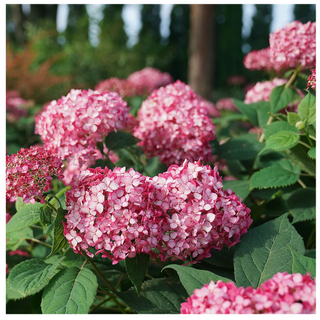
{"points": [[201, 64], [18, 19]]}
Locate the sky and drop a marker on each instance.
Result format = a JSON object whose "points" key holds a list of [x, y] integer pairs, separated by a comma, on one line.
{"points": [[282, 14]]}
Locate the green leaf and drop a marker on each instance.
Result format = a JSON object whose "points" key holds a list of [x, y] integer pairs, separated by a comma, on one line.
{"points": [[307, 108], [282, 140], [298, 156], [280, 97], [19, 203], [71, 291], [302, 264], [120, 139], [264, 251], [162, 296], [228, 118], [45, 214], [25, 217], [302, 204], [59, 240], [312, 153], [280, 175], [223, 258], [30, 276], [243, 147], [276, 127], [240, 187], [137, 269], [255, 112], [102, 163], [11, 294], [17, 238], [192, 278]]}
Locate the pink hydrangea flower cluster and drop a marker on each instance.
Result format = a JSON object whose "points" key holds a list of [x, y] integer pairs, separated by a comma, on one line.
{"points": [[225, 104], [16, 106], [72, 126], [312, 79], [29, 173], [261, 60], [149, 79], [122, 86], [202, 215], [262, 90], [179, 214], [210, 107], [294, 45], [236, 79], [282, 294], [174, 125]]}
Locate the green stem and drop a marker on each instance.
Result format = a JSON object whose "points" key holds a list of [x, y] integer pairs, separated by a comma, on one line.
{"points": [[293, 77], [302, 184], [269, 122], [307, 175], [304, 144], [310, 241], [112, 288], [38, 241], [99, 304]]}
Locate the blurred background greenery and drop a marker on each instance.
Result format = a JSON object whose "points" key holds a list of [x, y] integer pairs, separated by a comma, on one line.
{"points": [[43, 63]]}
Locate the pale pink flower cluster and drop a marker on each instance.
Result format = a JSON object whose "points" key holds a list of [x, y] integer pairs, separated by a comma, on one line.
{"points": [[148, 79], [294, 45], [16, 106], [262, 90], [210, 107], [282, 294], [261, 60], [312, 79], [29, 173], [225, 104], [174, 125], [122, 86], [180, 214], [72, 126]]}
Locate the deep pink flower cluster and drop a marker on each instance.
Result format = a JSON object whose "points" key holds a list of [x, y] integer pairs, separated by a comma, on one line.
{"points": [[262, 90], [294, 45], [174, 125], [16, 106], [122, 86], [225, 104], [202, 215], [72, 126], [236, 79], [282, 294], [179, 214], [261, 60], [312, 79], [149, 79], [29, 173]]}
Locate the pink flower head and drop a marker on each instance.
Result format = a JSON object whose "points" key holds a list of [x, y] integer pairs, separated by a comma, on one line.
{"points": [[8, 217], [29, 173], [262, 90], [294, 45], [72, 126], [122, 86], [236, 79], [283, 293], [210, 107], [225, 104], [149, 79], [16, 106], [111, 212], [200, 215], [312, 80], [261, 60], [174, 125]]}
